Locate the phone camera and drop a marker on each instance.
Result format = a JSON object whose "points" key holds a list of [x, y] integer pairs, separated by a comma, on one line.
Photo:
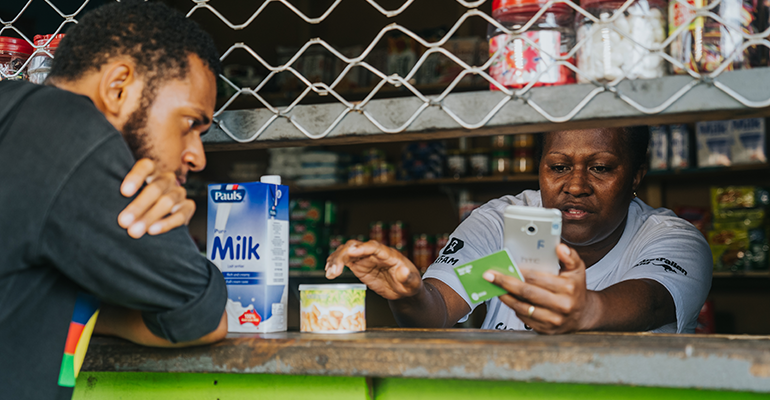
{"points": [[530, 229]]}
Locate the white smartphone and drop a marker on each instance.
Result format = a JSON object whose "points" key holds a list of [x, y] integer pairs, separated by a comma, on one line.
{"points": [[531, 235]]}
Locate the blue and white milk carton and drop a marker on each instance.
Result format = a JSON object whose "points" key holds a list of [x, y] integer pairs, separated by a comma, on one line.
{"points": [[248, 240]]}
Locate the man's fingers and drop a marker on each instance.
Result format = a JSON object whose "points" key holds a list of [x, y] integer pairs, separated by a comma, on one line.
{"points": [[163, 185], [135, 178], [159, 210], [180, 215]]}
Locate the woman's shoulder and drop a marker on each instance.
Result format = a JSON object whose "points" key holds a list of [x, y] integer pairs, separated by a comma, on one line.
{"points": [[661, 223]]}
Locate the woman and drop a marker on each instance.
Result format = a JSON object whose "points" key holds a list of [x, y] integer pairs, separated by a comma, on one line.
{"points": [[625, 266]]}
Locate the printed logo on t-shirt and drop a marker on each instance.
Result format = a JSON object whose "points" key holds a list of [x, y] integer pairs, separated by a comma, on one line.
{"points": [[664, 263], [453, 246]]}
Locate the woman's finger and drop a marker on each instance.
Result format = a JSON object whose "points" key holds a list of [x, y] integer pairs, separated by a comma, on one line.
{"points": [[569, 258], [524, 291], [540, 320], [140, 172]]}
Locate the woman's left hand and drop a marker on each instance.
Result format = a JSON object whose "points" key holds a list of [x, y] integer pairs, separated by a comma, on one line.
{"points": [[562, 303]]}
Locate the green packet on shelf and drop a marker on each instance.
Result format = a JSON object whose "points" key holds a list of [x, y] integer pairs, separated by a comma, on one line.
{"points": [[475, 285]]}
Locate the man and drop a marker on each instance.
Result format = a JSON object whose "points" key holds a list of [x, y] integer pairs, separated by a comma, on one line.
{"points": [[132, 80]]}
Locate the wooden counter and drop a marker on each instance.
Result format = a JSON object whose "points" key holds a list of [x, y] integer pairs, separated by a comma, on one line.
{"points": [[708, 364]]}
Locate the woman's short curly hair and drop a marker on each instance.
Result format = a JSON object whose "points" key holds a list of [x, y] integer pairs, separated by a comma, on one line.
{"points": [[156, 37]]}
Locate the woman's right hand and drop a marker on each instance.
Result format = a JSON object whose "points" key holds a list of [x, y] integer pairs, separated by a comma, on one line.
{"points": [[383, 269]]}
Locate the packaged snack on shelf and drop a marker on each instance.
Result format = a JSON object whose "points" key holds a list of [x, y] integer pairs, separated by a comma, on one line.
{"points": [[383, 172], [748, 141], [729, 247], [307, 210], [305, 257], [723, 198], [679, 155], [304, 233], [714, 141], [335, 241], [658, 148], [423, 160], [359, 174]]}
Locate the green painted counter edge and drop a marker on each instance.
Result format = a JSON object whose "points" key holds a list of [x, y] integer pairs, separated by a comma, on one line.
{"points": [[195, 386]]}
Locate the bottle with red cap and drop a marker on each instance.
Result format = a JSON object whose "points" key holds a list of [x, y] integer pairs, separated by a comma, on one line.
{"points": [[14, 53], [529, 56], [40, 65]]}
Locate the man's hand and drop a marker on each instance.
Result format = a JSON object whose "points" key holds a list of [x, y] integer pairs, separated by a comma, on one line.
{"points": [[382, 269], [161, 206], [562, 303]]}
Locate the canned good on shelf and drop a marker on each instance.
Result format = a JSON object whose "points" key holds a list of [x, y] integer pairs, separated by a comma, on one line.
{"points": [[501, 163], [422, 253], [457, 166], [333, 308], [479, 162], [379, 231], [524, 161], [399, 238]]}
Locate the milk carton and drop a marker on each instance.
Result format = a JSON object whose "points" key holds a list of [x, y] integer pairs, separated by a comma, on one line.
{"points": [[748, 140], [714, 141], [248, 240]]}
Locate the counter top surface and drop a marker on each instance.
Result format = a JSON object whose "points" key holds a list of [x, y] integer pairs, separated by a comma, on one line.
{"points": [[687, 361]]}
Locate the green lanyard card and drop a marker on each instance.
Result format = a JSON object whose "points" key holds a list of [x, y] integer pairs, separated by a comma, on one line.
{"points": [[475, 285]]}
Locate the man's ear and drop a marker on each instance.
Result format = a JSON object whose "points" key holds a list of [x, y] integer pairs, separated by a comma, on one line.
{"points": [[113, 87]]}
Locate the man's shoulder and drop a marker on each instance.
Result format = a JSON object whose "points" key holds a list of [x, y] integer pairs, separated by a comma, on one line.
{"points": [[47, 105]]}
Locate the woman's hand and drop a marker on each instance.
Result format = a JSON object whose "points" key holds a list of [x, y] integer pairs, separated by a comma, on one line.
{"points": [[562, 303], [161, 206], [383, 269]]}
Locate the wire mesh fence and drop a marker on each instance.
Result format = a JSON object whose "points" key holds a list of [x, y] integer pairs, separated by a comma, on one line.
{"points": [[601, 43]]}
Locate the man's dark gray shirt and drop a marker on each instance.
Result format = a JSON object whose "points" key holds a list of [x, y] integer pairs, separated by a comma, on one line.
{"points": [[61, 166]]}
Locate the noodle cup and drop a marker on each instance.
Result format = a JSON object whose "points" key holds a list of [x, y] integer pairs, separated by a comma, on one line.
{"points": [[332, 308]]}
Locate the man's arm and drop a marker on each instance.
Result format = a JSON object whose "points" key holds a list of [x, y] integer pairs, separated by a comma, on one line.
{"points": [[181, 296], [129, 325]]}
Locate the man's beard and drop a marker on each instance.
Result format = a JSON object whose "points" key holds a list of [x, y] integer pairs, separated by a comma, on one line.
{"points": [[136, 135], [138, 138]]}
